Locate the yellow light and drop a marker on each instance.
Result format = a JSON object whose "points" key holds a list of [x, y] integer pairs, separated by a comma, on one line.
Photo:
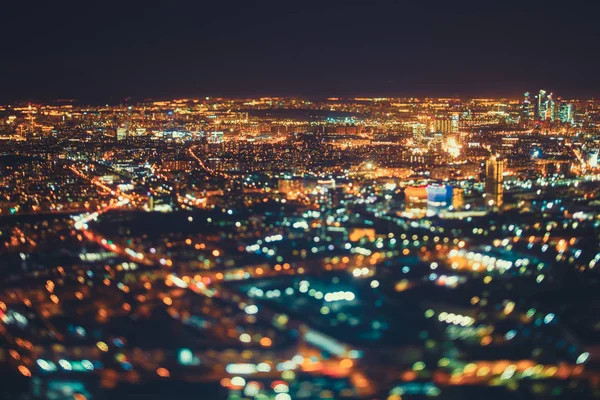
{"points": [[102, 346]]}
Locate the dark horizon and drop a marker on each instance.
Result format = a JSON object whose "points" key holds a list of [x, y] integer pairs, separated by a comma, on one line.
{"points": [[104, 53]]}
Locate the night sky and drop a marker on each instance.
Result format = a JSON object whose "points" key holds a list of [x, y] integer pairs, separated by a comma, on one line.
{"points": [[99, 51]]}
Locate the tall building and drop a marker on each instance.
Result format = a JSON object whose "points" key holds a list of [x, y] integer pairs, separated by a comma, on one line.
{"points": [[443, 125], [541, 105], [458, 198], [550, 108], [455, 122], [439, 197], [565, 112], [527, 112], [419, 131], [494, 170], [546, 107]]}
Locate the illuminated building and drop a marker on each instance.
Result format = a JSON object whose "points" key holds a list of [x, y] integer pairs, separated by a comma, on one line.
{"points": [[415, 196], [347, 130], [546, 106], [438, 197], [565, 112], [494, 170], [419, 131], [541, 105], [121, 133], [550, 108], [527, 112], [455, 122], [278, 129], [458, 198], [443, 125], [215, 138], [593, 159]]}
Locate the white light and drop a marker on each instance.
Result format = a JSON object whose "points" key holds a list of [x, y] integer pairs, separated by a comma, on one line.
{"points": [[238, 381], [251, 309], [65, 365], [243, 369], [245, 338], [263, 367], [583, 357], [87, 365], [548, 318]]}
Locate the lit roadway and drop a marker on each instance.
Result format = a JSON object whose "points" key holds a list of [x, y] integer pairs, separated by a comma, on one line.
{"points": [[204, 167]]}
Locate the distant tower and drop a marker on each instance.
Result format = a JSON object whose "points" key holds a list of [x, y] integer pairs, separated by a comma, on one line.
{"points": [[565, 112], [31, 120], [494, 170], [527, 108], [550, 108], [541, 105], [455, 122]]}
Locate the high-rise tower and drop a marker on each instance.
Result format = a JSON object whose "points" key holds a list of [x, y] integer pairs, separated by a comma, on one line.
{"points": [[541, 105], [527, 112], [494, 170]]}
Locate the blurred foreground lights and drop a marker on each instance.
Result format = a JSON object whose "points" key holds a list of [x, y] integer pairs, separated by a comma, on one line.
{"points": [[64, 364], [510, 334], [263, 367], [252, 389], [87, 364], [46, 365], [548, 318], [163, 372], [337, 296], [102, 346], [418, 366], [251, 309], [238, 381], [456, 319], [24, 371], [245, 338], [583, 357]]}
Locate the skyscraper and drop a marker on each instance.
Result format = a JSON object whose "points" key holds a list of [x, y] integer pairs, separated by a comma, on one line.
{"points": [[550, 108], [455, 122], [419, 132], [494, 170], [541, 105], [527, 112], [565, 112], [443, 125]]}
